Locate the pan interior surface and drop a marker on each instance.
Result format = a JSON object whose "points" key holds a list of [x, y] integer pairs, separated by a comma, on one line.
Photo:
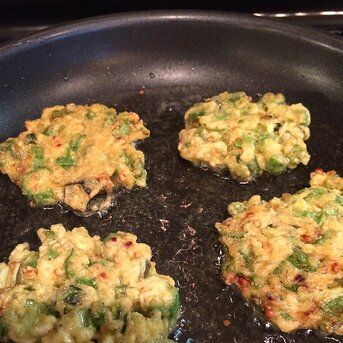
{"points": [[159, 64]]}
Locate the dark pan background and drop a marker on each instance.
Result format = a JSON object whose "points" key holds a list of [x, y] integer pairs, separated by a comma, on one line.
{"points": [[177, 58]]}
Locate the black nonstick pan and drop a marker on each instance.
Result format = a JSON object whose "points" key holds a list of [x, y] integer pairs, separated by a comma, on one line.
{"points": [[158, 64]]}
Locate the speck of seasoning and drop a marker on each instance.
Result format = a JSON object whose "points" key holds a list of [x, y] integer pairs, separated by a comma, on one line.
{"points": [[243, 281], [128, 244], [114, 239], [226, 322], [141, 91], [269, 297], [299, 278]]}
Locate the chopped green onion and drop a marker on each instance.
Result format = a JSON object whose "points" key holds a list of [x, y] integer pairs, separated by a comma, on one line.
{"points": [[85, 280], [300, 260]]}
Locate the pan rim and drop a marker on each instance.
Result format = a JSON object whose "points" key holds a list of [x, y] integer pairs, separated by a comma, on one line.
{"points": [[64, 30]]}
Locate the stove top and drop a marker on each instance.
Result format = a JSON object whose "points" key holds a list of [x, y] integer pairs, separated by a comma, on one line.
{"points": [[22, 17]]}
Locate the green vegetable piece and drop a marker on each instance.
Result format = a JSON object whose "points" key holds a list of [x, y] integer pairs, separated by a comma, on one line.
{"points": [[48, 131], [32, 260], [49, 310], [193, 116], [108, 122], [85, 280], [3, 327], [237, 207], [238, 143], [278, 269], [124, 130], [73, 295], [50, 234], [236, 234], [339, 200], [286, 316], [253, 167], [247, 257], [121, 289], [84, 318], [262, 136], [170, 311], [30, 303], [76, 142], [30, 138], [330, 211], [52, 254], [292, 288], [7, 147], [90, 115], [65, 162], [38, 160], [334, 306], [44, 198], [70, 273], [235, 96], [248, 139], [318, 217], [321, 239], [275, 167], [300, 260], [97, 318], [306, 119], [111, 117], [316, 193], [128, 160], [222, 115]]}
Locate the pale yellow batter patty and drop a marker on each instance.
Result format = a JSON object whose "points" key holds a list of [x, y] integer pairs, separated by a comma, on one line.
{"points": [[286, 254], [78, 288], [231, 132], [73, 152]]}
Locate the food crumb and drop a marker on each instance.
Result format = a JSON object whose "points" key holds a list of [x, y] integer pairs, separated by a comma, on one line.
{"points": [[141, 91], [226, 322]]}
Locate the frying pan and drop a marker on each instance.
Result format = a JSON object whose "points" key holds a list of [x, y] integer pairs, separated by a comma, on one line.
{"points": [[176, 58]]}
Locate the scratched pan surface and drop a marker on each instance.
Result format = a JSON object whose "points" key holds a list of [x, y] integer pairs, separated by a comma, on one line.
{"points": [[178, 58]]}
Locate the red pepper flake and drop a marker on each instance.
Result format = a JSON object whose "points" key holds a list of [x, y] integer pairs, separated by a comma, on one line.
{"points": [[243, 281], [141, 91], [319, 171], [299, 278], [249, 215], [103, 275], [335, 267], [311, 310], [128, 244], [29, 272], [56, 141], [226, 322], [114, 239], [269, 313], [306, 238], [21, 169]]}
